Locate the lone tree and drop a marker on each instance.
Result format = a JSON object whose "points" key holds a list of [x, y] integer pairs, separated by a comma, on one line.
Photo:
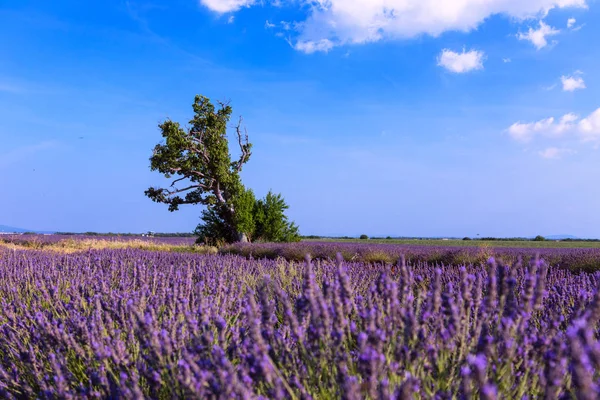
{"points": [[198, 161]]}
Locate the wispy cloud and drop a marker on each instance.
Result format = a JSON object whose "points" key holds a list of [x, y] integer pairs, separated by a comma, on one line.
{"points": [[525, 132], [309, 46], [286, 139], [24, 153], [586, 129], [11, 88], [571, 25], [538, 36], [136, 13], [555, 153], [225, 6], [20, 86], [461, 62]]}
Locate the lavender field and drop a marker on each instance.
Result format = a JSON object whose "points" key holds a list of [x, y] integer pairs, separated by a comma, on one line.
{"points": [[574, 259], [43, 240], [139, 324]]}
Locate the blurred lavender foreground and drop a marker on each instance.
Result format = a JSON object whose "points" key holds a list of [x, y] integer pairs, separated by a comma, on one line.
{"points": [[139, 324]]}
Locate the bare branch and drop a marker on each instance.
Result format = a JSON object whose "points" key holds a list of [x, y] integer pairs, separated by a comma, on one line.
{"points": [[178, 180], [179, 171], [224, 104], [245, 149], [219, 194], [170, 193]]}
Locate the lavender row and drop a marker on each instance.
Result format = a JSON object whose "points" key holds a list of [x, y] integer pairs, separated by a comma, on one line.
{"points": [[575, 259], [135, 324], [54, 239]]}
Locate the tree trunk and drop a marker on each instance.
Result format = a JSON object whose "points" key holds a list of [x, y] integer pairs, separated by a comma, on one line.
{"points": [[242, 237]]}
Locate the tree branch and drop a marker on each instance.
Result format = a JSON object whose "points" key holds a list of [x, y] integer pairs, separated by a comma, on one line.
{"points": [[194, 150], [178, 170], [177, 180], [170, 193], [244, 147], [224, 104], [221, 198]]}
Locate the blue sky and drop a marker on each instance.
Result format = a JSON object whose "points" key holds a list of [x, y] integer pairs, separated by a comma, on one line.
{"points": [[385, 117]]}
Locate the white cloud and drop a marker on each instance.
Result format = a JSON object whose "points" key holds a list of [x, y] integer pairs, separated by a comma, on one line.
{"points": [[572, 83], [589, 128], [269, 25], [310, 47], [362, 21], [525, 132], [566, 123], [461, 62], [506, 60], [555, 153], [571, 25], [586, 129], [231, 19], [225, 6], [538, 37]]}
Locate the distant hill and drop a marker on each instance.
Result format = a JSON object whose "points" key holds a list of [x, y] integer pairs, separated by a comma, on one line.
{"points": [[12, 229], [561, 237]]}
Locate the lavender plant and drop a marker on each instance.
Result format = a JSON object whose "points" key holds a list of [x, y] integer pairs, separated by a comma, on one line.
{"points": [[138, 324]]}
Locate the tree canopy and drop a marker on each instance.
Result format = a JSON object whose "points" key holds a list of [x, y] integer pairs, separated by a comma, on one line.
{"points": [[200, 165]]}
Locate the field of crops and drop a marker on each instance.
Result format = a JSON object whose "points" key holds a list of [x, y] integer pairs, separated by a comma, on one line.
{"points": [[559, 244], [574, 259], [129, 323], [53, 239]]}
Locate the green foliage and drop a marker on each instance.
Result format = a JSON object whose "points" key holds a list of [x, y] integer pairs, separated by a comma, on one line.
{"points": [[363, 237], [244, 218], [261, 220], [272, 224], [214, 230], [466, 238], [539, 238], [198, 159]]}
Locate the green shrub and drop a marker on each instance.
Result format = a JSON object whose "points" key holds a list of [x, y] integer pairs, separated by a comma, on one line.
{"points": [[271, 223]]}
